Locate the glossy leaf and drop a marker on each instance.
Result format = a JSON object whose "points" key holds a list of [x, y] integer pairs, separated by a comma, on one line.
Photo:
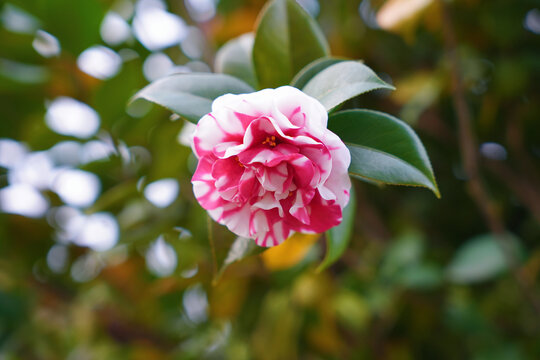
{"points": [[286, 40], [191, 95], [481, 258], [312, 69], [234, 58], [337, 238], [343, 81], [383, 149]]}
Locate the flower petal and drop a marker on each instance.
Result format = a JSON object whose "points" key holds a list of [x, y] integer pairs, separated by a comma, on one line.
{"points": [[268, 166]]}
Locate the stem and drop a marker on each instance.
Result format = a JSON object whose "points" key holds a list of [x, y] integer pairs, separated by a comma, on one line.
{"points": [[468, 148], [209, 225]]}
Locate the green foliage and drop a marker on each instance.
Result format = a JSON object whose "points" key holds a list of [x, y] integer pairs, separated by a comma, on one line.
{"points": [[415, 281], [483, 258], [338, 237], [310, 70], [404, 264], [286, 40], [191, 95], [234, 58], [383, 148], [343, 81]]}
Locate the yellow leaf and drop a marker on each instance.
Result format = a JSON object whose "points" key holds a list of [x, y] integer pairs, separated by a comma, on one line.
{"points": [[396, 13], [290, 252], [403, 16]]}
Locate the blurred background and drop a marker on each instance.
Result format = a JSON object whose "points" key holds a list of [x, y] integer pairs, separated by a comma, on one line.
{"points": [[105, 254]]}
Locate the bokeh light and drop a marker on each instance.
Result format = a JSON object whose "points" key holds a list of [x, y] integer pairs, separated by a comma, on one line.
{"points": [[95, 150], [98, 231], [66, 153], [57, 258], [196, 304], [161, 259], [156, 28], [36, 169], [68, 116], [194, 43], [201, 10], [23, 199], [162, 193], [46, 44], [156, 66], [532, 21], [99, 62], [493, 151], [17, 20], [114, 29], [76, 187], [11, 153], [86, 268]]}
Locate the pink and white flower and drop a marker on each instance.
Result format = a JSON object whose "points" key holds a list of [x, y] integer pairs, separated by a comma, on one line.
{"points": [[268, 165]]}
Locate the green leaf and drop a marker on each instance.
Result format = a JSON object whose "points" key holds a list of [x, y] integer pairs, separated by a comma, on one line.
{"points": [[420, 276], [312, 69], [343, 81], [241, 248], [337, 238], [234, 58], [403, 264], [191, 95], [286, 40], [404, 252], [481, 258], [383, 148]]}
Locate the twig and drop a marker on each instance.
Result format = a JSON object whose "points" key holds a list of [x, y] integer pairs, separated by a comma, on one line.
{"points": [[469, 155], [518, 183]]}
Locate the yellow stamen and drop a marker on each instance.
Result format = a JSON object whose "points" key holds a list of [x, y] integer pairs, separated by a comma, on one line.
{"points": [[270, 140]]}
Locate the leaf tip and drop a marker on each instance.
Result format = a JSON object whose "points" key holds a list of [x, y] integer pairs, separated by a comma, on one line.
{"points": [[435, 187]]}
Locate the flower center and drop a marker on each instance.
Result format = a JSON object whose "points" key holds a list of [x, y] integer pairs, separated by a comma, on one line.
{"points": [[270, 140]]}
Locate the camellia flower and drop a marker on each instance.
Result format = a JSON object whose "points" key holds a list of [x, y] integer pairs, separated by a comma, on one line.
{"points": [[268, 166]]}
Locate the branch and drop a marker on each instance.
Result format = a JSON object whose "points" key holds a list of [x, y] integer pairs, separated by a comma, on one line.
{"points": [[522, 187]]}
